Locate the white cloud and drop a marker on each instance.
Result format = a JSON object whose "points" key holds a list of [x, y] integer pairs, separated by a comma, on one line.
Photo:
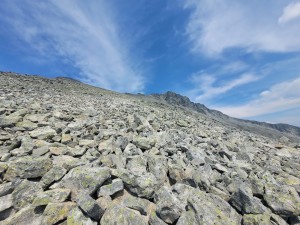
{"points": [[85, 33], [217, 25], [280, 97], [205, 85], [290, 12]]}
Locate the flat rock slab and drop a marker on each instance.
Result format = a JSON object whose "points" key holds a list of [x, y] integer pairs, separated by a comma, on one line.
{"points": [[83, 178], [28, 167]]}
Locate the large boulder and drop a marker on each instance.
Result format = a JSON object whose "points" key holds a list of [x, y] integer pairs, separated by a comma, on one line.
{"points": [[283, 200], [84, 178], [121, 215], [28, 167], [212, 210]]}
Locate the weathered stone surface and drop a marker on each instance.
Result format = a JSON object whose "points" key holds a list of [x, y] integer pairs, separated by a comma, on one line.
{"points": [[54, 174], [51, 196], [168, 206], [211, 209], [122, 215], [55, 212], [28, 167], [43, 133], [256, 219], [283, 200], [25, 193], [244, 202], [76, 217], [110, 189], [144, 143], [6, 202], [25, 216], [84, 178], [89, 206]]}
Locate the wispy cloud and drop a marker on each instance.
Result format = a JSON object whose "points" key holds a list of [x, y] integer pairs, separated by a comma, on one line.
{"points": [[217, 25], [84, 32], [206, 89], [280, 97], [290, 12]]}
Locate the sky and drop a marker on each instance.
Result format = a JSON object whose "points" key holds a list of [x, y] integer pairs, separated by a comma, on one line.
{"points": [[239, 57]]}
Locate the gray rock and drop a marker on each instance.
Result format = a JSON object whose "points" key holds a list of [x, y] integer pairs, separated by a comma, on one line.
{"points": [[25, 193], [28, 167], [155, 220], [55, 212], [25, 216], [215, 211], [187, 218], [9, 121], [168, 206], [51, 196], [84, 178], [244, 202], [43, 133], [76, 217], [53, 175], [89, 206], [256, 219], [6, 188], [110, 189], [144, 206], [137, 165], [144, 143], [67, 162], [6, 203], [283, 200], [122, 215]]}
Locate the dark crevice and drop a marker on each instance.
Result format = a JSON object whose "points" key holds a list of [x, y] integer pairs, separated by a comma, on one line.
{"points": [[171, 181], [39, 209]]}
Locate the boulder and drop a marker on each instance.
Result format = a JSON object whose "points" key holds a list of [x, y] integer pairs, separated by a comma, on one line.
{"points": [[28, 167], [84, 178], [121, 215]]}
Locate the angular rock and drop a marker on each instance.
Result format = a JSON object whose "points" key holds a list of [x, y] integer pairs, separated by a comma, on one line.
{"points": [[283, 200], [187, 217], [110, 189], [6, 203], [53, 175], [168, 206], [215, 211], [25, 216], [76, 217], [55, 212], [122, 215], [67, 162], [84, 178], [28, 167], [25, 193], [245, 203], [88, 205], [256, 219], [43, 133], [51, 196], [144, 143]]}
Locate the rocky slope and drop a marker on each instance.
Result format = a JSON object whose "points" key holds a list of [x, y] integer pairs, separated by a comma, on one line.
{"points": [[75, 154]]}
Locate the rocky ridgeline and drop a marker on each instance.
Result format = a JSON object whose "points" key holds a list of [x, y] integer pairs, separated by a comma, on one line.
{"points": [[75, 154]]}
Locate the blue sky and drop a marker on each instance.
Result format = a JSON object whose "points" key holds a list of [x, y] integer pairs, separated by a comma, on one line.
{"points": [[239, 57]]}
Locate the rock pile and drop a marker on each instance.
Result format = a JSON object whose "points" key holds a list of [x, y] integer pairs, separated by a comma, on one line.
{"points": [[75, 154]]}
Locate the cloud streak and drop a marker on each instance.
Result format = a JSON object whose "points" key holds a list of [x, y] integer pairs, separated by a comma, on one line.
{"points": [[280, 97], [206, 88], [85, 33], [217, 25], [290, 12]]}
